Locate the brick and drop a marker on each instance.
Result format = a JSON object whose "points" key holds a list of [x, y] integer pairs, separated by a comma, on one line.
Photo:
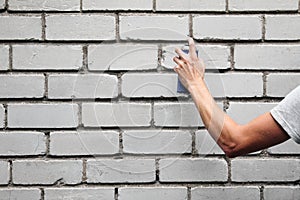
{"points": [[47, 172], [4, 57], [176, 114], [22, 86], [283, 27], [235, 84], [61, 115], [206, 145], [89, 86], [19, 143], [154, 27], [84, 143], [47, 57], [264, 170], [190, 5], [192, 170], [157, 142], [120, 57], [227, 27], [280, 84], [2, 116], [4, 172], [149, 193], [281, 192], [121, 171], [150, 85], [116, 114], [2, 4], [214, 56], [45, 5], [117, 5], [214, 193], [80, 27], [244, 112], [284, 57], [79, 193], [15, 27], [266, 5], [288, 147], [20, 193]]}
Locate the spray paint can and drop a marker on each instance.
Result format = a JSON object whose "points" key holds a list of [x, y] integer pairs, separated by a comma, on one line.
{"points": [[180, 87]]}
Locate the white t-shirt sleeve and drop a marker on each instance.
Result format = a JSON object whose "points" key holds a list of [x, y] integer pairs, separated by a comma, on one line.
{"points": [[287, 114]]}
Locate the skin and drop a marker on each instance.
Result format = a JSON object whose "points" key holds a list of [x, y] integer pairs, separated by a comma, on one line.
{"points": [[234, 139]]}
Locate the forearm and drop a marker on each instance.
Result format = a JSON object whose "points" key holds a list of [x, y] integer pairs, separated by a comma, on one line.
{"points": [[219, 124]]}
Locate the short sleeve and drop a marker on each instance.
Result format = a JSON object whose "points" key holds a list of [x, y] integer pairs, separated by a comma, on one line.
{"points": [[287, 114]]}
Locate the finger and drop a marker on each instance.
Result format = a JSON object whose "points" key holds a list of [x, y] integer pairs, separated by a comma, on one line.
{"points": [[192, 48], [178, 61], [181, 54]]}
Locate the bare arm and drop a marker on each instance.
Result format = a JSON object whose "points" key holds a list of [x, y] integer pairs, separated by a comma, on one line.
{"points": [[233, 138]]}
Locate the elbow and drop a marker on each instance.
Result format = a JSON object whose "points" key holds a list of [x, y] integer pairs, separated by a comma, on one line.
{"points": [[231, 153]]}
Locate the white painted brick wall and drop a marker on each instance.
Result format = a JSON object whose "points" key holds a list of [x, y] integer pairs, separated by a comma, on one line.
{"points": [[20, 193], [117, 5], [205, 144], [283, 27], [214, 56], [22, 86], [280, 84], [44, 5], [214, 193], [284, 57], [46, 172], [122, 57], [79, 193], [4, 57], [65, 86], [192, 170], [227, 27], [89, 108], [4, 172], [149, 193], [80, 27], [121, 171], [154, 27], [19, 143], [245, 112], [84, 143], [266, 5], [16, 27], [2, 116], [288, 147], [157, 142], [116, 114], [265, 169], [63, 115], [281, 192], [47, 57], [190, 5]]}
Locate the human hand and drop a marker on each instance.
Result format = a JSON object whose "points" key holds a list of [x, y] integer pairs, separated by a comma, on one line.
{"points": [[189, 67]]}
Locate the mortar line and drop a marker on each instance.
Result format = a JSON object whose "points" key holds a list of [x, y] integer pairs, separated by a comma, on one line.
{"points": [[154, 5], [10, 58], [157, 170], [43, 16], [84, 176], [191, 34], [42, 193], [261, 192], [45, 96], [116, 194], [121, 146], [227, 6], [117, 27], [299, 7], [10, 181], [263, 19], [265, 83], [189, 193], [81, 5], [231, 57], [5, 116], [84, 68]]}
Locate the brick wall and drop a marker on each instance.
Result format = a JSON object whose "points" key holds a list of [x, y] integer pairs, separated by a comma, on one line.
{"points": [[89, 109]]}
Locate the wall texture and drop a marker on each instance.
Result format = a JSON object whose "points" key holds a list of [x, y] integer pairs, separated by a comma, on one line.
{"points": [[89, 109]]}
